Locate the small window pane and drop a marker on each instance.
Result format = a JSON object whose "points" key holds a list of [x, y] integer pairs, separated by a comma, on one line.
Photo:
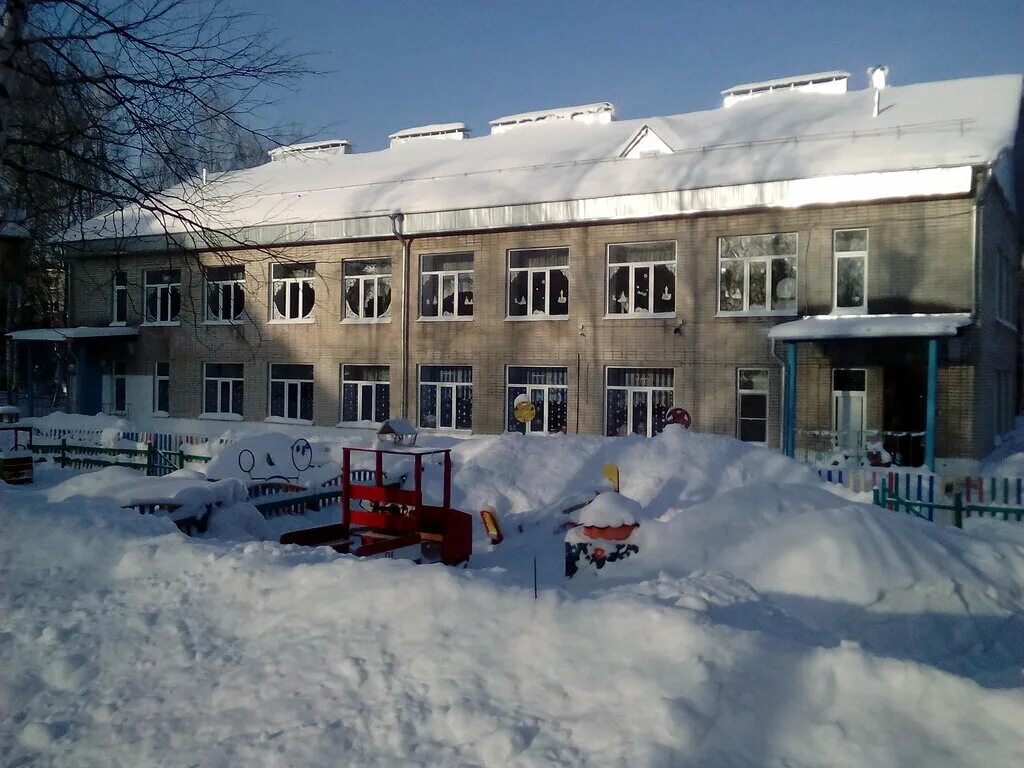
{"points": [[851, 240], [848, 380], [446, 262], [295, 372], [850, 282], [625, 253], [537, 258]]}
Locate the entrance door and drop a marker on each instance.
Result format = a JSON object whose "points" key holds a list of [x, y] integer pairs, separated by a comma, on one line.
{"points": [[848, 400]]}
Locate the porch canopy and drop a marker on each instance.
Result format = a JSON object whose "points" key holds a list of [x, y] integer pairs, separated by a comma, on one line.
{"points": [[70, 334], [837, 327], [824, 327], [87, 346]]}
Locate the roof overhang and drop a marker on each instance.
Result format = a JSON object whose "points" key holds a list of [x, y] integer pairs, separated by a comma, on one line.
{"points": [[71, 334], [826, 327], [790, 193]]}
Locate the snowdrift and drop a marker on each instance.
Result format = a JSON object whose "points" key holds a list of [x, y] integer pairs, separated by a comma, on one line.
{"points": [[766, 621]]}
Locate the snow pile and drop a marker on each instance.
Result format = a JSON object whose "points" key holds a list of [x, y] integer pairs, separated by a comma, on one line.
{"points": [[765, 621], [610, 509], [270, 456], [124, 486]]}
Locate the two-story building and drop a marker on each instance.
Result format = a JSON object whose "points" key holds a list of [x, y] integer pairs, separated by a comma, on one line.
{"points": [[807, 266]]}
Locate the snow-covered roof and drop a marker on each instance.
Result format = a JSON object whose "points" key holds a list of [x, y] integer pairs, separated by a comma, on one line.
{"points": [[540, 114], [426, 130], [869, 327], [779, 151], [64, 334], [814, 77]]}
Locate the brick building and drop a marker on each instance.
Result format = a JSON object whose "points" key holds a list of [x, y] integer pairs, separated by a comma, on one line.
{"points": [[807, 267]]}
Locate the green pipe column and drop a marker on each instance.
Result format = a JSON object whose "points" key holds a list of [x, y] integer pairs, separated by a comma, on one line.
{"points": [[930, 405]]}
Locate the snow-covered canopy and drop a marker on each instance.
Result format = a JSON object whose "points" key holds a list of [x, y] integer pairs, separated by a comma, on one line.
{"points": [[869, 327], [721, 159], [66, 334]]}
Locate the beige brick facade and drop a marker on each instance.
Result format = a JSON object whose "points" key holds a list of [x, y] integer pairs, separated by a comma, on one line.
{"points": [[920, 260]]}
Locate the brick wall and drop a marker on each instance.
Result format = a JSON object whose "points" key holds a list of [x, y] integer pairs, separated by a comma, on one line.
{"points": [[919, 261]]}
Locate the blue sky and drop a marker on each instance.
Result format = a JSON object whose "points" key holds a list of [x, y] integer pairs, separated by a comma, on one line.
{"points": [[392, 65]]}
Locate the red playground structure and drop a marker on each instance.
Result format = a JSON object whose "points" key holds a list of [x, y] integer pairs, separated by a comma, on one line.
{"points": [[381, 516]]}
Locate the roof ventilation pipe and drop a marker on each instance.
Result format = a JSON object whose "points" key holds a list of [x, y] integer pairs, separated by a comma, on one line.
{"points": [[877, 77], [397, 227]]}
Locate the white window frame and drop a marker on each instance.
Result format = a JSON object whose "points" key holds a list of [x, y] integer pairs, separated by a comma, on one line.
{"points": [[362, 280], [629, 390], [767, 261], [633, 266], [741, 393], [119, 291], [231, 381], [157, 379], [164, 291], [1006, 280], [237, 317], [511, 271], [359, 384], [545, 429], [438, 387], [275, 282], [118, 372], [442, 275], [836, 257], [290, 386]]}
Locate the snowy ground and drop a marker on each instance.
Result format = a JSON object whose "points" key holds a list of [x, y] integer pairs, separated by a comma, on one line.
{"points": [[765, 622]]}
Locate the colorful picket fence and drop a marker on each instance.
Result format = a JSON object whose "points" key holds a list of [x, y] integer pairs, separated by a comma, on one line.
{"points": [[83, 448]]}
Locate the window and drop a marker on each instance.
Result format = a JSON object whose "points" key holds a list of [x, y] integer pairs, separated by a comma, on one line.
{"points": [[120, 308], [638, 399], [538, 282], [446, 396], [223, 388], [1006, 287], [642, 278], [757, 274], [291, 392], [161, 388], [446, 285], [163, 295], [547, 389], [367, 289], [119, 372], [752, 405], [851, 270], [292, 291], [225, 294], [365, 393]]}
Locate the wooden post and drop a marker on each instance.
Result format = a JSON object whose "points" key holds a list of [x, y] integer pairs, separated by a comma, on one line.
{"points": [[63, 452], [958, 509], [150, 459]]}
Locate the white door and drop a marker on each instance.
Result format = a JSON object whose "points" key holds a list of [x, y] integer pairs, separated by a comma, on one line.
{"points": [[848, 401]]}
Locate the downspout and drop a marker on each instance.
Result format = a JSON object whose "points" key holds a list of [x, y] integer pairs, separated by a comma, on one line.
{"points": [[397, 219]]}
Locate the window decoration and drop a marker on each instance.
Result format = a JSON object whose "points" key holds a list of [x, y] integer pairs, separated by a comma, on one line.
{"points": [[163, 295], [291, 392], [547, 389], [292, 291], [757, 274], [225, 294], [752, 405], [367, 289], [365, 393], [446, 285], [851, 270], [538, 282], [223, 388], [446, 397], [637, 400], [642, 278]]}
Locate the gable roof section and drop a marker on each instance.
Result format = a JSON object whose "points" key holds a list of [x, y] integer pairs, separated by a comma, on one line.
{"points": [[559, 169]]}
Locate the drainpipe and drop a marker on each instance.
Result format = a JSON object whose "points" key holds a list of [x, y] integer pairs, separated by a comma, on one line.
{"points": [[397, 219]]}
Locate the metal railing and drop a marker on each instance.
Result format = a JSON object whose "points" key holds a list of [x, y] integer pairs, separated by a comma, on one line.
{"points": [[822, 446]]}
